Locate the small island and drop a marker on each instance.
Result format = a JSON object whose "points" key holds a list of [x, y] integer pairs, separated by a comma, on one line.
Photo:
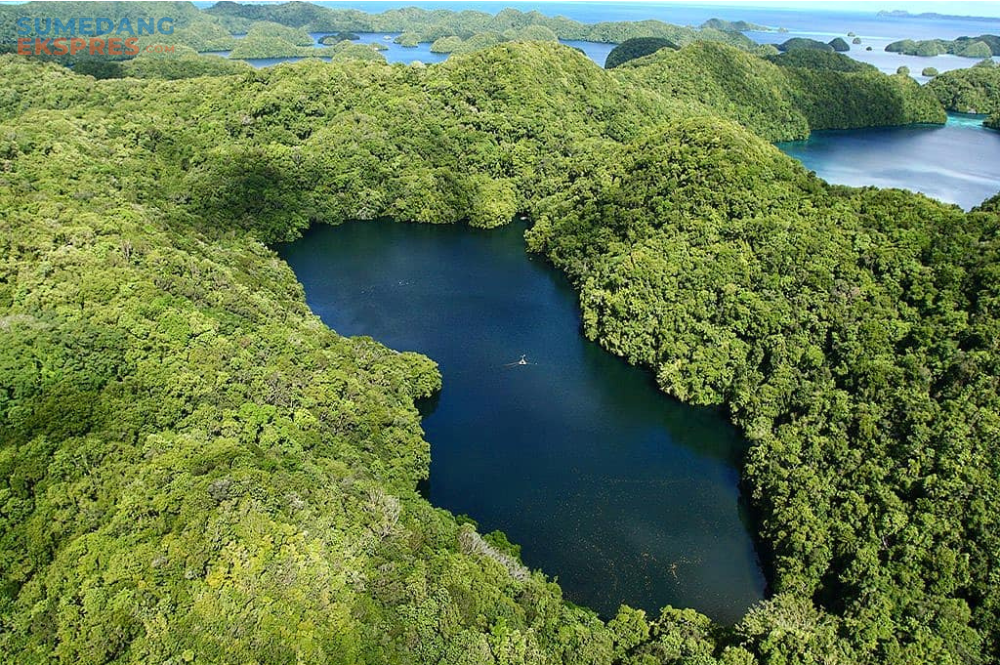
{"points": [[336, 38], [839, 45], [804, 43], [983, 46]]}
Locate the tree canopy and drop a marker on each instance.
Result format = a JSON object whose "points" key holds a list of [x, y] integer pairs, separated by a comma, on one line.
{"points": [[632, 49], [195, 469], [972, 90]]}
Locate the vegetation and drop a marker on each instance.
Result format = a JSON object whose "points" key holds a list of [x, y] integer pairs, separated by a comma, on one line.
{"points": [[903, 70], [408, 40], [632, 49], [972, 90], [932, 72], [181, 64], [432, 25], [330, 40], [782, 97], [734, 26], [821, 61], [446, 44], [844, 329], [798, 43], [272, 40], [531, 33], [839, 45], [975, 50], [347, 50], [195, 469], [982, 46]]}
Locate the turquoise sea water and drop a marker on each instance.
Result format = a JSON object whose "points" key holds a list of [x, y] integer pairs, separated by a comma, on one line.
{"points": [[957, 163]]}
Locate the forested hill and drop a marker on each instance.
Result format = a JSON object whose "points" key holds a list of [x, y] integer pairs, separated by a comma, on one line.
{"points": [[783, 97], [972, 90], [196, 470]]}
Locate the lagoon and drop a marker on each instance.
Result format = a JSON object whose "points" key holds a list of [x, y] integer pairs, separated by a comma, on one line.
{"points": [[622, 494], [955, 163]]}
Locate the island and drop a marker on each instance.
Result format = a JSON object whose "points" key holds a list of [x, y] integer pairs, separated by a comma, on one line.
{"points": [[336, 38], [983, 46], [839, 45], [804, 43]]}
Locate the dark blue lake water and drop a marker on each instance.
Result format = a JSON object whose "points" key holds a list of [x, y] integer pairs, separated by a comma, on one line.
{"points": [[957, 163], [623, 494]]}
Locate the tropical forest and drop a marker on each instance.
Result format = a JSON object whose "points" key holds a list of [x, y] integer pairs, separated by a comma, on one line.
{"points": [[196, 467]]}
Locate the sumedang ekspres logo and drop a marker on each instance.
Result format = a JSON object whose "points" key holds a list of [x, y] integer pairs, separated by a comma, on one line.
{"points": [[90, 35]]}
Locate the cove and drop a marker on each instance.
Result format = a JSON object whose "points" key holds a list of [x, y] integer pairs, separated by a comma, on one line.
{"points": [[620, 493], [956, 163]]}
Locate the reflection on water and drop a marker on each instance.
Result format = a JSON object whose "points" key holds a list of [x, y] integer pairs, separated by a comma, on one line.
{"points": [[956, 163]]}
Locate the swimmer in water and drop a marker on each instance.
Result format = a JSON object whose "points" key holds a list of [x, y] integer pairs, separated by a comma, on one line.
{"points": [[522, 361]]}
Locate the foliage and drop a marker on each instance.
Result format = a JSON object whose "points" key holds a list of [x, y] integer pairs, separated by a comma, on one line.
{"points": [[972, 90], [975, 50], [852, 335], [336, 38], [632, 49], [839, 45], [446, 44], [346, 50], [809, 90], [796, 43], [272, 40], [932, 72], [194, 469], [431, 25], [734, 26], [408, 40], [537, 33], [180, 65], [982, 46], [821, 60]]}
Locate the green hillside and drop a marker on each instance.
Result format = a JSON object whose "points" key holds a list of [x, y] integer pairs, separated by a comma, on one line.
{"points": [[196, 470], [972, 90]]}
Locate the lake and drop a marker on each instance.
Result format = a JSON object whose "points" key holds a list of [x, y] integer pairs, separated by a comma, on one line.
{"points": [[955, 163], [622, 494]]}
